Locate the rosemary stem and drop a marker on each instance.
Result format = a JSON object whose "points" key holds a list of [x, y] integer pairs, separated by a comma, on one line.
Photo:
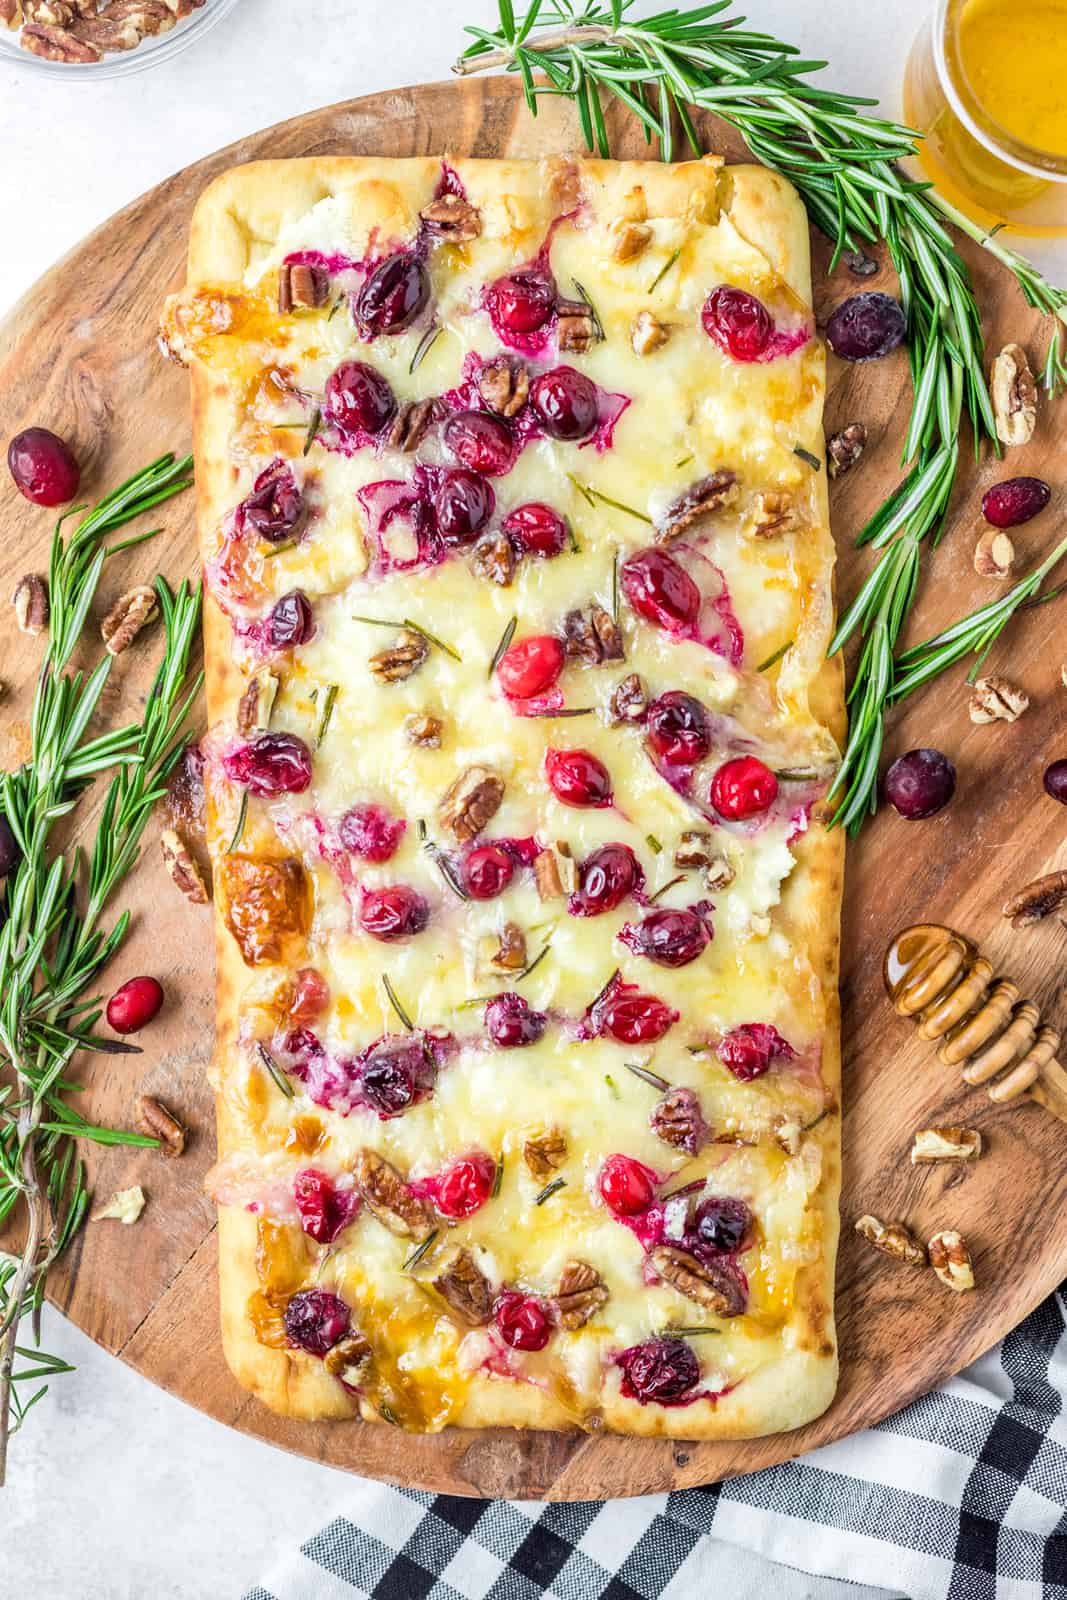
{"points": [[545, 39]]}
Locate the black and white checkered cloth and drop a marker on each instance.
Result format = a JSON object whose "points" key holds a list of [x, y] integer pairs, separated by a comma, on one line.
{"points": [[963, 1496]]}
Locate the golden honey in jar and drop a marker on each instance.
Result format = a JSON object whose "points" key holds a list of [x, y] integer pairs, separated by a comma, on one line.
{"points": [[985, 85]]}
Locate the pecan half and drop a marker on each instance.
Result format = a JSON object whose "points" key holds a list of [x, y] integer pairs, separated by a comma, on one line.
{"points": [[510, 953], [630, 240], [57, 44], [159, 1122], [581, 1292], [493, 559], [451, 217], [994, 554], [951, 1260], [576, 325], [1014, 395], [893, 1239], [544, 1153], [349, 1359], [424, 730], [30, 599], [301, 286], [677, 1119], [945, 1144], [628, 702], [1038, 900], [708, 1283], [10, 13], [182, 868], [504, 386], [58, 13], [257, 702], [647, 333], [411, 425], [844, 449], [463, 1285], [400, 659], [387, 1196], [134, 611], [592, 635], [994, 699], [702, 499], [772, 515], [555, 873], [471, 801], [109, 33]]}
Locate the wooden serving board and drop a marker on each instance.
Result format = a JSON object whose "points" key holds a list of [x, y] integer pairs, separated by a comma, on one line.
{"points": [[78, 354]]}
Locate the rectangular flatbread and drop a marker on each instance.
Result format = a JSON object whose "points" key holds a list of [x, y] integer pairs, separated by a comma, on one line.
{"points": [[513, 517]]}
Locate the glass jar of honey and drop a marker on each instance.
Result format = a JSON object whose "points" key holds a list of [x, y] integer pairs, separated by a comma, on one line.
{"points": [[985, 86]]}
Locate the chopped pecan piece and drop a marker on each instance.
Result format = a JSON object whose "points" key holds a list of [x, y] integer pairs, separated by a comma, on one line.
{"points": [[786, 1132], [630, 239], [388, 1197], [504, 386], [451, 217], [424, 730], [893, 1239], [510, 953], [349, 1359], [109, 33], [677, 1119], [1039, 899], [772, 515], [182, 868], [844, 449], [647, 333], [544, 1153], [10, 13], [994, 699], [400, 659], [58, 13], [628, 702], [30, 600], [592, 635], [708, 1283], [576, 325], [1014, 395], [159, 1122], [951, 1260], [493, 559], [471, 801], [57, 44], [301, 286], [994, 554], [555, 873], [257, 702], [946, 1144], [694, 849], [411, 425], [581, 1292], [464, 1286], [132, 612], [701, 499], [720, 873]]}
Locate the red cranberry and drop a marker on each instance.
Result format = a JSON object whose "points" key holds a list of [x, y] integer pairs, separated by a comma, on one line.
{"points": [[43, 467], [634, 1018], [750, 1049], [315, 1320], [511, 1023], [531, 666], [304, 1049], [743, 788], [274, 763], [324, 1209], [721, 1224], [536, 530], [920, 783], [660, 590], [737, 322], [311, 996], [483, 443], [466, 1186], [678, 728], [567, 403], [393, 913], [464, 502], [626, 1186], [370, 831], [865, 326], [660, 1371], [523, 301], [276, 509], [134, 1005], [291, 621], [1015, 500], [669, 938], [358, 399], [487, 871], [522, 1321], [10, 854], [606, 876], [392, 296], [395, 1073], [1056, 781], [578, 778]]}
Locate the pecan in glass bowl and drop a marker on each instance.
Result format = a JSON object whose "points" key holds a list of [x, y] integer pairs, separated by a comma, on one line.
{"points": [[87, 39]]}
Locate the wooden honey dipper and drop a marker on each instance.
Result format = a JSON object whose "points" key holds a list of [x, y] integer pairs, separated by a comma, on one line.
{"points": [[937, 977]]}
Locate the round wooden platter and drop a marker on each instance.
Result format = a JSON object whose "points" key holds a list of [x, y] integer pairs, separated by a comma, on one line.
{"points": [[78, 354]]}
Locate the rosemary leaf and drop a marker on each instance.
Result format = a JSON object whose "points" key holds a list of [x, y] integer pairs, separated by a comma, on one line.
{"points": [[502, 646], [775, 656], [421, 1251], [805, 455], [498, 1177], [275, 1070], [327, 712], [313, 429], [549, 1190], [665, 886], [653, 844], [238, 832], [395, 1003], [663, 271], [652, 1078], [424, 346]]}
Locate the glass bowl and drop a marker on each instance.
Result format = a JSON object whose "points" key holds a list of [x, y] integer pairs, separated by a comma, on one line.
{"points": [[152, 52]]}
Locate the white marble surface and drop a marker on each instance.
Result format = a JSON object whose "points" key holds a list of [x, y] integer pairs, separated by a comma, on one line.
{"points": [[118, 1491]]}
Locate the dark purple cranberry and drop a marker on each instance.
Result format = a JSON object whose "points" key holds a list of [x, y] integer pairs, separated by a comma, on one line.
{"points": [[463, 504], [721, 1224], [737, 322], [276, 509], [660, 590], [566, 402], [393, 913], [484, 444], [920, 783], [659, 1372], [522, 1321], [370, 831], [510, 1022], [606, 876], [395, 1073], [487, 871], [315, 1320], [10, 854], [1055, 784], [358, 399], [752, 1048], [669, 938], [578, 778], [272, 764], [866, 326], [392, 296], [536, 530], [43, 467], [1015, 500], [291, 621], [324, 1209], [523, 301], [678, 728]]}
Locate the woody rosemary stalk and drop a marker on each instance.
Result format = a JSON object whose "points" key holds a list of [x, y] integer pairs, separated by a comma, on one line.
{"points": [[53, 944], [843, 162]]}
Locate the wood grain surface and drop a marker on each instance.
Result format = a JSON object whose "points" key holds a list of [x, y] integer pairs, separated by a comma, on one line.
{"points": [[78, 354]]}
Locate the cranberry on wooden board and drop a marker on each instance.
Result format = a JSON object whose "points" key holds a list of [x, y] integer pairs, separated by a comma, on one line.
{"points": [[392, 296], [393, 913], [324, 1209], [463, 504], [659, 1372], [522, 301], [530, 666], [866, 326], [358, 399], [276, 509], [737, 322], [1015, 500], [920, 783], [606, 876], [626, 1186], [751, 1049], [721, 1223], [511, 1023], [43, 467], [743, 788], [660, 590], [484, 444], [370, 831], [567, 403], [522, 1321], [678, 728], [466, 1186], [134, 1005], [273, 764], [578, 778], [536, 530], [487, 871], [669, 938], [291, 621], [1055, 781], [315, 1319]]}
